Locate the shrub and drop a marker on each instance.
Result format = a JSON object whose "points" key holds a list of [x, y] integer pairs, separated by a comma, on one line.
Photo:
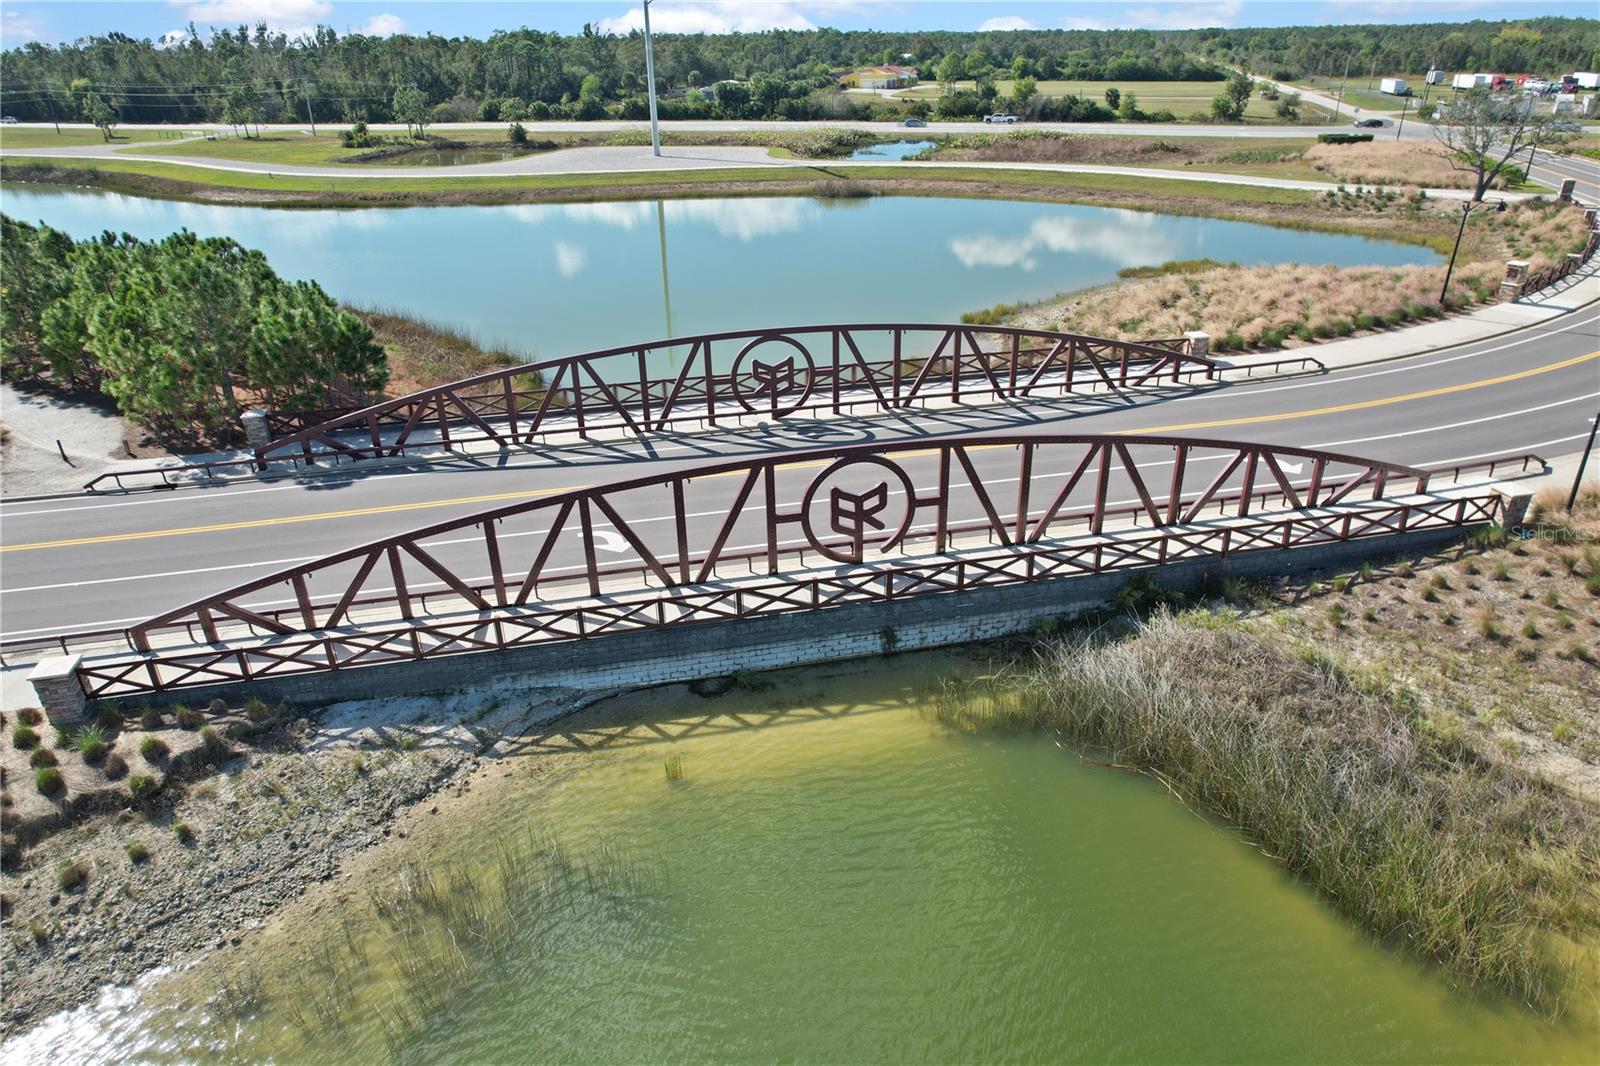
{"points": [[150, 718], [138, 853], [72, 875], [153, 749], [108, 719], [48, 780], [142, 788], [1343, 138], [30, 716], [115, 766], [1530, 629], [182, 831], [41, 758], [674, 767], [23, 738], [214, 744], [257, 710], [517, 134], [217, 707], [91, 743], [187, 717]]}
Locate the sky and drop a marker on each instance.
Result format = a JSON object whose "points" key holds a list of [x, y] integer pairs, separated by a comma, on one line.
{"points": [[53, 21]]}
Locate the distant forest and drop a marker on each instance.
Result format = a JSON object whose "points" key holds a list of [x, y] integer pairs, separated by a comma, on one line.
{"points": [[258, 76]]}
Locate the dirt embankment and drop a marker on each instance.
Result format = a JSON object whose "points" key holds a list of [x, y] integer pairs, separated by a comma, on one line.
{"points": [[236, 818]]}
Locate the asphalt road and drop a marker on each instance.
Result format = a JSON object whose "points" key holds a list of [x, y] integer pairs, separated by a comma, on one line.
{"points": [[89, 563]]}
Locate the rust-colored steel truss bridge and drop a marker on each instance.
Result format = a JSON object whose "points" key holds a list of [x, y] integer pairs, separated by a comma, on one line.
{"points": [[726, 377], [805, 531]]}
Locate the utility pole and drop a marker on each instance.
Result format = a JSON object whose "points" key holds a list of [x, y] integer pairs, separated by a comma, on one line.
{"points": [[1466, 209], [305, 88], [1404, 107], [1577, 479], [650, 83], [1343, 78]]}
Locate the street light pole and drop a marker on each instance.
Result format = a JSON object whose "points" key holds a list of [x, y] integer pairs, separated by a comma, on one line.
{"points": [[1466, 209], [1577, 480], [650, 83]]}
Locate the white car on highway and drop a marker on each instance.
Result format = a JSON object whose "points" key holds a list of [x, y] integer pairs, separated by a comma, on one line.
{"points": [[999, 118]]}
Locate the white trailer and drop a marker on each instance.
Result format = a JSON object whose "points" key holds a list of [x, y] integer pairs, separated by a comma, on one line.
{"points": [[1587, 79], [1393, 86], [1469, 81]]}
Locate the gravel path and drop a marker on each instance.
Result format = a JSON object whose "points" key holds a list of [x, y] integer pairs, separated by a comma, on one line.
{"points": [[30, 463]]}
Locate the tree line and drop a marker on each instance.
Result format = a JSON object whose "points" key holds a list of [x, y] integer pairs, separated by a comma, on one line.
{"points": [[180, 333], [250, 75]]}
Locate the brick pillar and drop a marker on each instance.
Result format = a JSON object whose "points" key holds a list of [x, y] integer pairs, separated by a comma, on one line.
{"points": [[1199, 343], [56, 681], [1513, 507], [1511, 286], [256, 433], [1588, 218], [1567, 186]]}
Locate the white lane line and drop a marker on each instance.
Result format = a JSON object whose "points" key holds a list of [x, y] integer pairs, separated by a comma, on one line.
{"points": [[1457, 425]]}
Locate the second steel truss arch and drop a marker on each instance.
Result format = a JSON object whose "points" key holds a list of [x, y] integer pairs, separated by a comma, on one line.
{"points": [[770, 373]]}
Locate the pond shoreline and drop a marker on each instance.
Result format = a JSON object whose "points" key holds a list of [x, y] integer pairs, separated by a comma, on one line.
{"points": [[1284, 208]]}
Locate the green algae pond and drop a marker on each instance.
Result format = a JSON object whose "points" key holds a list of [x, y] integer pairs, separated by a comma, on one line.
{"points": [[814, 871]]}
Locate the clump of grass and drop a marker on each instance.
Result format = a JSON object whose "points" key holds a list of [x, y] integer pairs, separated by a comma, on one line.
{"points": [[23, 738], [187, 717], [150, 718], [1530, 630], [1563, 732], [184, 832], [1489, 626], [48, 780], [30, 716], [114, 767], [1395, 818], [673, 765], [72, 875], [212, 741], [1502, 572], [257, 710], [142, 788], [109, 718], [90, 742], [1336, 615], [153, 749], [41, 758], [1471, 568], [138, 854], [1439, 581]]}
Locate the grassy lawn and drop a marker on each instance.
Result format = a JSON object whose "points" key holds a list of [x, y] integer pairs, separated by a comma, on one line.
{"points": [[712, 182], [1356, 93], [12, 137], [296, 148], [1182, 98]]}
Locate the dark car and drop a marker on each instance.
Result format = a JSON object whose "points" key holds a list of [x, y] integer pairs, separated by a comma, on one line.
{"points": [[914, 122], [1367, 123]]}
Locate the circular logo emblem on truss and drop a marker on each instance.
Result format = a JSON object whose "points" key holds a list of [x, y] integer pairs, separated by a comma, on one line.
{"points": [[855, 504], [776, 383]]}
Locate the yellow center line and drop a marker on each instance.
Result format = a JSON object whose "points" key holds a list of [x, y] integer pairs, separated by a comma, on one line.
{"points": [[220, 527], [1359, 405], [1180, 427]]}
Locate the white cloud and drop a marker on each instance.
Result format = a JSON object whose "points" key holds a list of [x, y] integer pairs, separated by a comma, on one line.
{"points": [[1131, 238], [384, 25], [294, 18], [730, 16], [1171, 16], [743, 220], [172, 38], [16, 27], [570, 259], [1006, 22]]}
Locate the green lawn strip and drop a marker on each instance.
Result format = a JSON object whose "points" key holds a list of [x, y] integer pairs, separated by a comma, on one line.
{"points": [[12, 137], [1182, 98], [886, 175]]}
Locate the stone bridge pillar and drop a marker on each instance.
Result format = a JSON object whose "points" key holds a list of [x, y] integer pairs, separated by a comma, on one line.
{"points": [[1511, 285], [1567, 187], [1199, 343], [56, 681], [1514, 505], [256, 433]]}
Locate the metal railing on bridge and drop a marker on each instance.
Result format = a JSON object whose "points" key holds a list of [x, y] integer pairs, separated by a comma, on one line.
{"points": [[753, 537], [726, 377]]}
